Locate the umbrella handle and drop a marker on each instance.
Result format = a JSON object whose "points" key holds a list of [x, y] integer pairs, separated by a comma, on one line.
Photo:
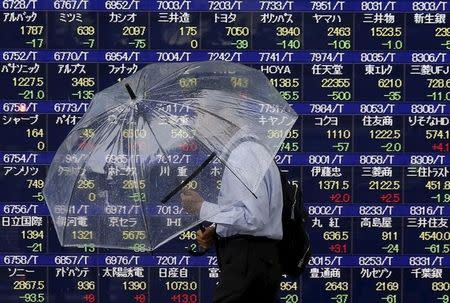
{"points": [[199, 251]]}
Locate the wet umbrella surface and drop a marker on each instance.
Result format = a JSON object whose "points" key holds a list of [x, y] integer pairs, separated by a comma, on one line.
{"points": [[115, 181]]}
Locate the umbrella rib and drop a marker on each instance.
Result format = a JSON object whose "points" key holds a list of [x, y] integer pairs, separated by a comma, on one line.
{"points": [[154, 136], [139, 81], [199, 108], [97, 137], [163, 101], [188, 179], [223, 162], [183, 100], [103, 113], [243, 183], [132, 145], [157, 90], [168, 76], [175, 125], [164, 153], [130, 90], [208, 76]]}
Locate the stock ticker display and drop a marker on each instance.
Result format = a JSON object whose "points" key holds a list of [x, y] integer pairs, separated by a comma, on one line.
{"points": [[369, 79]]}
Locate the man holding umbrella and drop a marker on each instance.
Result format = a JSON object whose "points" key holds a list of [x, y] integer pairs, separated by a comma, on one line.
{"points": [[133, 126], [247, 225]]}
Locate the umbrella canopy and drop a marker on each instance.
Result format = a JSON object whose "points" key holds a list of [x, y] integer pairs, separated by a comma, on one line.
{"points": [[115, 180]]}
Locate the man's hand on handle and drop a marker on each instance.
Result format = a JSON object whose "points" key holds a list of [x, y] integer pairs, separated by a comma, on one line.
{"points": [[192, 202], [206, 238]]}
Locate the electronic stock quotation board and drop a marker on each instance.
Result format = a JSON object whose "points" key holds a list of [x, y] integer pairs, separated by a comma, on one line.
{"points": [[369, 80]]}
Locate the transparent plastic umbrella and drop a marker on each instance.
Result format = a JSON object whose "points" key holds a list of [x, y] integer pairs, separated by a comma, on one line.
{"points": [[115, 180]]}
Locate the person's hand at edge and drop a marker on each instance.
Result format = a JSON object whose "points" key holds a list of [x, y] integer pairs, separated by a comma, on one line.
{"points": [[206, 238]]}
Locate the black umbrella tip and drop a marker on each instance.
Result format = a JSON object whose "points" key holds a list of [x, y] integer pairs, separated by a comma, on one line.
{"points": [[130, 91]]}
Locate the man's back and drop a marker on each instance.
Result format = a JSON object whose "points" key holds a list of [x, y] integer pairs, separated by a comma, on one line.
{"points": [[241, 211], [248, 228], [248, 224]]}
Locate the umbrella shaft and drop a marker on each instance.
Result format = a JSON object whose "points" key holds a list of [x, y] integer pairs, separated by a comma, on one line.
{"points": [[188, 179]]}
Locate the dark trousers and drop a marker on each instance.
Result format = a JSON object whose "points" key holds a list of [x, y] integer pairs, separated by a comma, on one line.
{"points": [[249, 270]]}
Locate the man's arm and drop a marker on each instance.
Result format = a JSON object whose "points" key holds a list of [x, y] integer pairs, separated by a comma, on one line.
{"points": [[237, 206]]}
